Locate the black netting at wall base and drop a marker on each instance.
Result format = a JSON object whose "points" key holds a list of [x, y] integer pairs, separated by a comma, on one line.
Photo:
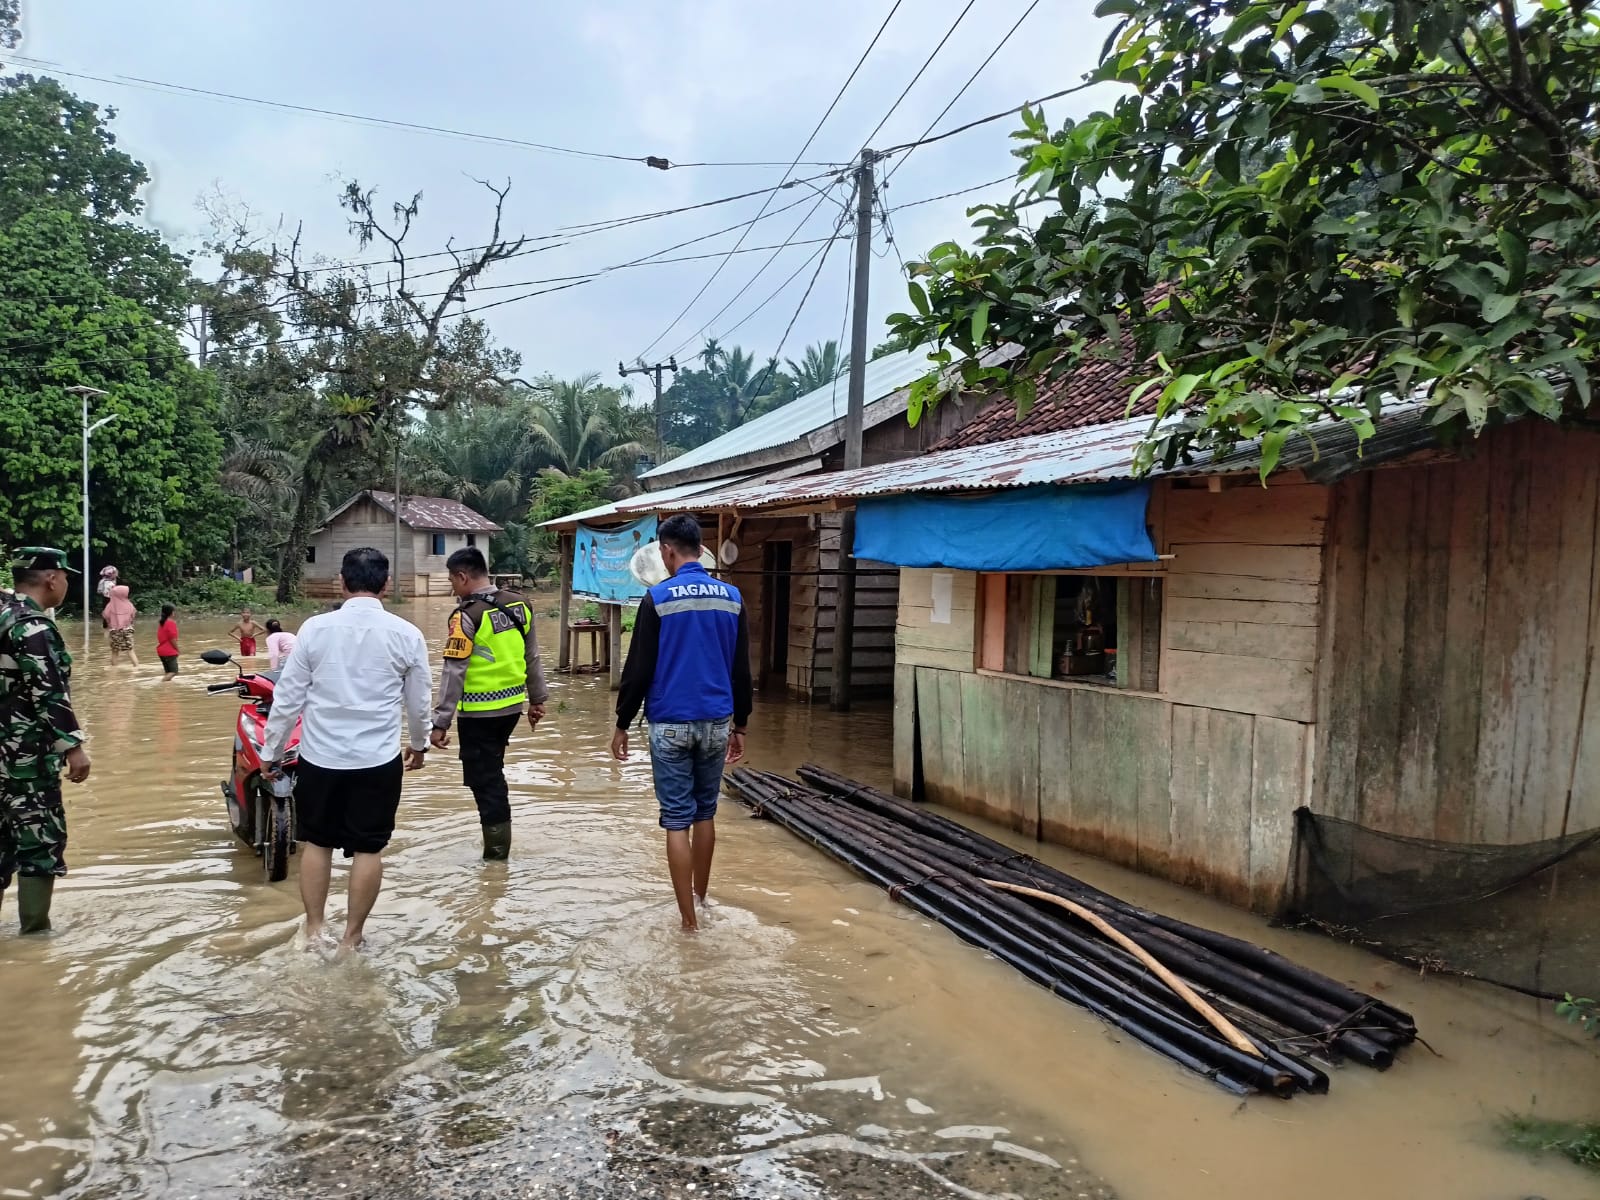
{"points": [[1520, 916]]}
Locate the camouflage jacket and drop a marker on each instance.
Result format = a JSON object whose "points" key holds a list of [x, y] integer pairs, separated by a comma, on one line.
{"points": [[37, 724]]}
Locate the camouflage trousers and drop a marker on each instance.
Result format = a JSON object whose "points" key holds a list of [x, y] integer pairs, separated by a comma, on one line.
{"points": [[33, 832]]}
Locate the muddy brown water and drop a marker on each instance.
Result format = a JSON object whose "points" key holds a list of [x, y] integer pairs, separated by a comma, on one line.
{"points": [[540, 1028]]}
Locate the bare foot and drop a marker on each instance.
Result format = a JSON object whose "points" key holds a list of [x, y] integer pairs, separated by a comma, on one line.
{"points": [[690, 927], [348, 947], [313, 937]]}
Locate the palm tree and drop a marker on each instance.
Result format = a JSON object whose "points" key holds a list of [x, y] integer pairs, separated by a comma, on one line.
{"points": [[581, 425], [819, 366]]}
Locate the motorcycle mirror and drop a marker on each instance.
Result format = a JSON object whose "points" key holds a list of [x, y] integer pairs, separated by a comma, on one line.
{"points": [[217, 658]]}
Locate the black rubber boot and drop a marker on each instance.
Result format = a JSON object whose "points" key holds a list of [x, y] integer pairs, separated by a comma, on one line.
{"points": [[497, 842], [33, 902]]}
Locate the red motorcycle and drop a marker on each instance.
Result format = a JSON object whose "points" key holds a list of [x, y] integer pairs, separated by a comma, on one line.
{"points": [[260, 810]]}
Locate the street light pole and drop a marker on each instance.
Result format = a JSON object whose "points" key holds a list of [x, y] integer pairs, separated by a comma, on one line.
{"points": [[85, 392]]}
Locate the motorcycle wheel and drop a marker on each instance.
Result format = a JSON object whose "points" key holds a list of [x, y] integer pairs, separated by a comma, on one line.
{"points": [[279, 840]]}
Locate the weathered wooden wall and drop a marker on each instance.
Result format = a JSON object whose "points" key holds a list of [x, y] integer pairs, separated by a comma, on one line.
{"points": [[1464, 606], [1197, 795], [1242, 597], [1197, 782]]}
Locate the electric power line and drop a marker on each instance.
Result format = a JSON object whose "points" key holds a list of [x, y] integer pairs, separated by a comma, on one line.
{"points": [[749, 283], [822, 260], [928, 62], [839, 95], [169, 88], [963, 89]]}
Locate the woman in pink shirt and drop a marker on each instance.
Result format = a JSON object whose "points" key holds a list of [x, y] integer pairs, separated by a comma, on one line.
{"points": [[279, 644]]}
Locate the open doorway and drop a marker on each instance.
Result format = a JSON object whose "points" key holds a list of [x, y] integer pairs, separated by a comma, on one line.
{"points": [[775, 583]]}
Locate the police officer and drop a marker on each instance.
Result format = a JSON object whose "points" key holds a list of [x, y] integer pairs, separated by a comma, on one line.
{"points": [[38, 733], [491, 667]]}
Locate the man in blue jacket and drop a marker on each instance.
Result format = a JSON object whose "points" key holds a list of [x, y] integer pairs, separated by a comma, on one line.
{"points": [[689, 666]]}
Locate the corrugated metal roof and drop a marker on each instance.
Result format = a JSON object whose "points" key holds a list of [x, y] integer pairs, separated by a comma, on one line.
{"points": [[1097, 454], [648, 502], [425, 512], [801, 417], [616, 507]]}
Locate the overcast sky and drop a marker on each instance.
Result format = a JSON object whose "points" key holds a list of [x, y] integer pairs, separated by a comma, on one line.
{"points": [[691, 80]]}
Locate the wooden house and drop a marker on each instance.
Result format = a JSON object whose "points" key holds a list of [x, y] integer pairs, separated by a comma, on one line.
{"points": [[787, 564], [431, 529], [1400, 634]]}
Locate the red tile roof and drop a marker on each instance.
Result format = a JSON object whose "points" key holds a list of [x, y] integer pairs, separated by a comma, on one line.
{"points": [[434, 513], [1093, 394]]}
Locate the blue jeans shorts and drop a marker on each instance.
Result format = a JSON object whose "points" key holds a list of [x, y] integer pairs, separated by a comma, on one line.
{"points": [[686, 758]]}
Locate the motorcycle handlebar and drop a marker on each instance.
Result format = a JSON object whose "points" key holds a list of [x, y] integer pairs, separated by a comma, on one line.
{"points": [[222, 687]]}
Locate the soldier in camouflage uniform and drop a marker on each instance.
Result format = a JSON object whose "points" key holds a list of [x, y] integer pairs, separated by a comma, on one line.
{"points": [[38, 734]]}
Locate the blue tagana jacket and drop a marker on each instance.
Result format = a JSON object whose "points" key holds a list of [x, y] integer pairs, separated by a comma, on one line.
{"points": [[690, 657]]}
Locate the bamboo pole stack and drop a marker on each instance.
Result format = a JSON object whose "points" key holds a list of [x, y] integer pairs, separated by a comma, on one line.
{"points": [[1243, 1016]]}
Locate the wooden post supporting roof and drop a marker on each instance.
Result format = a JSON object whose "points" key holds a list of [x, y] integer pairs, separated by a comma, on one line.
{"points": [[564, 554], [614, 636]]}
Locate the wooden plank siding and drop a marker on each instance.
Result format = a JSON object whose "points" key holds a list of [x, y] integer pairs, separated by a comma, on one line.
{"points": [[1201, 796], [1462, 617]]}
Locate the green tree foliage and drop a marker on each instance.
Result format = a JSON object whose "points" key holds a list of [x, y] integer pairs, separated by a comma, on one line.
{"points": [[57, 152], [581, 424], [819, 366], [1428, 222], [343, 358], [156, 503], [87, 296], [559, 496]]}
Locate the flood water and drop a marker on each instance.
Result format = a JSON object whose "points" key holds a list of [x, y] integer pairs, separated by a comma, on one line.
{"points": [[541, 1028]]}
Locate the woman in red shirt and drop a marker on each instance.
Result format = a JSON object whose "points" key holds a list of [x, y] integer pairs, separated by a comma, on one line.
{"points": [[167, 642]]}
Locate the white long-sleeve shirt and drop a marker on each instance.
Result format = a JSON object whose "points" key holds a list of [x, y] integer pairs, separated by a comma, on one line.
{"points": [[350, 672]]}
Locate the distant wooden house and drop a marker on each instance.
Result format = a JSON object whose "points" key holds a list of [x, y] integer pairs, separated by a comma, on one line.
{"points": [[1401, 635], [787, 564], [431, 529]]}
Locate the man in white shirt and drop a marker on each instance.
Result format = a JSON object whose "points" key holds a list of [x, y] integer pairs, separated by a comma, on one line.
{"points": [[350, 671]]}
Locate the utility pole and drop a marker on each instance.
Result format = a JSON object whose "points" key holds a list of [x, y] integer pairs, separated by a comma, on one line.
{"points": [[84, 392], [203, 337], [655, 369], [398, 596], [844, 611]]}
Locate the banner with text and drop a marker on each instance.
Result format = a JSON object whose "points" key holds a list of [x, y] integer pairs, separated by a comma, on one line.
{"points": [[601, 557]]}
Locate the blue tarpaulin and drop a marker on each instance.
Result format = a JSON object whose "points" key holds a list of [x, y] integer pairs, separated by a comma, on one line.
{"points": [[1027, 529]]}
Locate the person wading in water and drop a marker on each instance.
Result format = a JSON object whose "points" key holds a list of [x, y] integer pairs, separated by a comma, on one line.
{"points": [[39, 734], [689, 666], [491, 665], [350, 675]]}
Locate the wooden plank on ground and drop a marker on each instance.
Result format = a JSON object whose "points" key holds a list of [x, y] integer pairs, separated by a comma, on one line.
{"points": [[1278, 788], [1302, 564], [1276, 515], [1265, 686]]}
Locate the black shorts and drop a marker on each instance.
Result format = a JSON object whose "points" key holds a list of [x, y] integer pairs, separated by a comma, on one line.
{"points": [[351, 811], [169, 663]]}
